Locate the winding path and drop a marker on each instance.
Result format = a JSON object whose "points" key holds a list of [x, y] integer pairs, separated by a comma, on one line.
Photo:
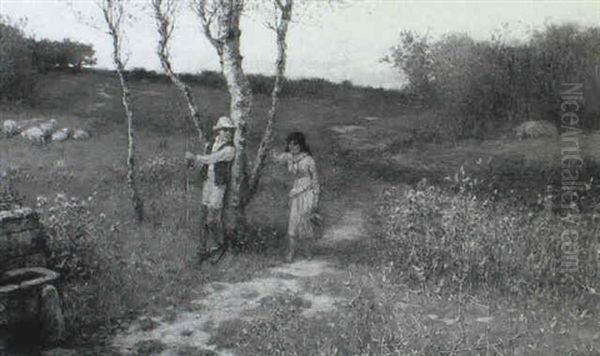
{"points": [[231, 301]]}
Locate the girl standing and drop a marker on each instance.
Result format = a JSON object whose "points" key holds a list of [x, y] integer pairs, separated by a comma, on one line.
{"points": [[304, 195]]}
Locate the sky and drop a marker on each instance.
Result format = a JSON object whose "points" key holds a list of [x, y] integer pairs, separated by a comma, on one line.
{"points": [[342, 43]]}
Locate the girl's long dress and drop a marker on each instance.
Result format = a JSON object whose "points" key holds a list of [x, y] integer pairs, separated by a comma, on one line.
{"points": [[304, 196]]}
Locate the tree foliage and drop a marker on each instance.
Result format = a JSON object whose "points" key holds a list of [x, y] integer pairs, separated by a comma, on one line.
{"points": [[480, 85], [16, 69], [65, 54], [21, 57]]}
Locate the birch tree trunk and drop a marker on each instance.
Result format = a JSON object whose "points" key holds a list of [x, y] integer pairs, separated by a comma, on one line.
{"points": [[114, 15], [164, 16], [284, 14], [240, 107]]}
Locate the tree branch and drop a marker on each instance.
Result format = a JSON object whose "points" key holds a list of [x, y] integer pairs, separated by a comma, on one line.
{"points": [[164, 14], [206, 16]]}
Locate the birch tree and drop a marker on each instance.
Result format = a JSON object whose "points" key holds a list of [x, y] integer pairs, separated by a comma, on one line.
{"points": [[220, 20], [164, 16], [220, 23], [114, 14]]}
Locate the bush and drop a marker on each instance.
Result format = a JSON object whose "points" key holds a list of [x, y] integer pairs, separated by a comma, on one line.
{"points": [[207, 78], [482, 85], [447, 240], [261, 84], [16, 70], [66, 54], [81, 250], [137, 74]]}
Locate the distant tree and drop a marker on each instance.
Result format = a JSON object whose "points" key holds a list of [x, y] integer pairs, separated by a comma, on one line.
{"points": [[16, 70], [480, 86], [49, 55], [114, 12], [78, 54]]}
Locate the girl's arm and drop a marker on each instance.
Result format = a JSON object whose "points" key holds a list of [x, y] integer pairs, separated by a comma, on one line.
{"points": [[281, 157]]}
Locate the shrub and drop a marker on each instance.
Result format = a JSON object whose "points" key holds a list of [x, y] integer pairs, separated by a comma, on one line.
{"points": [[16, 70], [207, 78], [66, 54], [137, 74], [447, 239], [72, 236], [481, 85], [81, 250], [261, 84]]}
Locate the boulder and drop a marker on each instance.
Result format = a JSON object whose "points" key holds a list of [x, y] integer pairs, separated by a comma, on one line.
{"points": [[49, 127], [10, 128], [35, 135], [534, 129], [61, 135], [80, 134]]}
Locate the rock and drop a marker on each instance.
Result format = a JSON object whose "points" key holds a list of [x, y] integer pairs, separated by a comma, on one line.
{"points": [[80, 134], [48, 128], [61, 135], [51, 315], [534, 129], [10, 128], [35, 135]]}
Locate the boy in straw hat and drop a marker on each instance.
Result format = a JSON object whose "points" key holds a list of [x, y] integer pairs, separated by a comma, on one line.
{"points": [[213, 190]]}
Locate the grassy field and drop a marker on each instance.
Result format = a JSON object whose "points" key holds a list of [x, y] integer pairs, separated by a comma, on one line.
{"points": [[129, 270]]}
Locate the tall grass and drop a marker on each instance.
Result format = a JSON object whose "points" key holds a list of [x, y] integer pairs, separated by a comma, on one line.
{"points": [[451, 240]]}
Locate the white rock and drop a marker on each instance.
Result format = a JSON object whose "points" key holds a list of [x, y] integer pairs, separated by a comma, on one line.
{"points": [[35, 135], [49, 127], [533, 129], [10, 128], [61, 135], [80, 134]]}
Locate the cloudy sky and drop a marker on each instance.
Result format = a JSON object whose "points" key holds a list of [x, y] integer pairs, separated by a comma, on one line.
{"points": [[345, 43]]}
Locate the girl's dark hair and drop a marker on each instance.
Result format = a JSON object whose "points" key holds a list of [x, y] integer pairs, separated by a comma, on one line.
{"points": [[299, 139]]}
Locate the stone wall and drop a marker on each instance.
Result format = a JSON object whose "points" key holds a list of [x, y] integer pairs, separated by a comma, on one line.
{"points": [[22, 239]]}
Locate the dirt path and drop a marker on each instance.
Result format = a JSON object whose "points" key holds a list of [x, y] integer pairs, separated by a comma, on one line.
{"points": [[191, 331]]}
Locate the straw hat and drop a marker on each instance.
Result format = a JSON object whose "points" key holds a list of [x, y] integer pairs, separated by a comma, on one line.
{"points": [[224, 122]]}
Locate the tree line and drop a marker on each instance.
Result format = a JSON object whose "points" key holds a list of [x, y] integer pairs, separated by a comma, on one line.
{"points": [[480, 86], [21, 57]]}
